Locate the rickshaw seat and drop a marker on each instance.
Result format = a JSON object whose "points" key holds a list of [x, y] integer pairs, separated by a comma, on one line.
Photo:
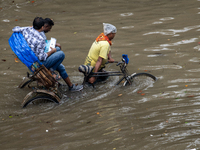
{"points": [[22, 50]]}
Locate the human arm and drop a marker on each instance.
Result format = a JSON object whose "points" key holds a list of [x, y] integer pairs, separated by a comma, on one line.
{"points": [[38, 48], [40, 51], [97, 66], [53, 50], [110, 59], [58, 45]]}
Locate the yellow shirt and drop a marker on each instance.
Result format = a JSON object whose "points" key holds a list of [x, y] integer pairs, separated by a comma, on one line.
{"points": [[98, 49]]}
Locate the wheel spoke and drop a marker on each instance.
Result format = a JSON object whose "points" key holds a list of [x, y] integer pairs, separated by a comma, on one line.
{"points": [[38, 99], [141, 79]]}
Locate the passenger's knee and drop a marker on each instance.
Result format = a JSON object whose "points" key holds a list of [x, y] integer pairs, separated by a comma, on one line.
{"points": [[61, 54]]}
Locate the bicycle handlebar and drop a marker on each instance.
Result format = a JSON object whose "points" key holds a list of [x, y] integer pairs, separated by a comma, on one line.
{"points": [[118, 63], [112, 62]]}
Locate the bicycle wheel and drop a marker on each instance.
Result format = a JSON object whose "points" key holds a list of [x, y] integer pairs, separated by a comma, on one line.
{"points": [[140, 78], [24, 83], [39, 99]]}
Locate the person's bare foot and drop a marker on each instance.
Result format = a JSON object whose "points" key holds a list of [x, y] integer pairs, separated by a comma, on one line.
{"points": [[56, 75]]}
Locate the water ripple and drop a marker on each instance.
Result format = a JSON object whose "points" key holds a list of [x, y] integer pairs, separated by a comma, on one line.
{"points": [[173, 31], [158, 67], [126, 14]]}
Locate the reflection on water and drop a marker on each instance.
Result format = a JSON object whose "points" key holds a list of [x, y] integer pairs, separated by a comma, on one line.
{"points": [[180, 42], [157, 49], [160, 67], [160, 37], [173, 31], [126, 14], [167, 18], [128, 27]]}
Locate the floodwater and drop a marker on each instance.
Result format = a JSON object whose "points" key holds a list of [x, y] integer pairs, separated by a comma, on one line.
{"points": [[160, 37]]}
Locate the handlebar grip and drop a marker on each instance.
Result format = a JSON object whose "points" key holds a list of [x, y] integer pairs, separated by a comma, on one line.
{"points": [[119, 63], [112, 62]]}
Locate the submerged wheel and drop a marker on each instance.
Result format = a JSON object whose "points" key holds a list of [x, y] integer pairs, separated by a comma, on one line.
{"points": [[40, 98], [138, 78], [22, 85]]}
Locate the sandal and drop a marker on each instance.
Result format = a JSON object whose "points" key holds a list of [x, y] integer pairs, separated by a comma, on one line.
{"points": [[56, 76]]}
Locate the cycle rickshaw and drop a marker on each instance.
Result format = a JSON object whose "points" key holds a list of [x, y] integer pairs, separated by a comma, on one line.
{"points": [[126, 78], [45, 87]]}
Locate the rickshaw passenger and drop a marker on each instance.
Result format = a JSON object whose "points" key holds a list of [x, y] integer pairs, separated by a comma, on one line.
{"points": [[48, 24], [51, 59]]}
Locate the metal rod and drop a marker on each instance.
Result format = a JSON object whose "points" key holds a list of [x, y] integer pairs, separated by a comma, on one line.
{"points": [[120, 80], [106, 75], [106, 72]]}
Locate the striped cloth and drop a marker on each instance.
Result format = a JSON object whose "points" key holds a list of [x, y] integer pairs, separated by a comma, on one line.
{"points": [[86, 70]]}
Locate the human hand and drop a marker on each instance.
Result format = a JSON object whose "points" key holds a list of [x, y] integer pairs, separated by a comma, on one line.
{"points": [[58, 45], [53, 50], [92, 79], [111, 60]]}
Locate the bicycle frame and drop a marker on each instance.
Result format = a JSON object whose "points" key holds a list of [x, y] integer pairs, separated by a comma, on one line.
{"points": [[123, 72]]}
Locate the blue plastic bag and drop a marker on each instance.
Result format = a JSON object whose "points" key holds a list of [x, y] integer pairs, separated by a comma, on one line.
{"points": [[21, 48], [125, 56]]}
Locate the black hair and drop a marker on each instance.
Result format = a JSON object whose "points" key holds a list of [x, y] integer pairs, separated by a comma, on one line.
{"points": [[38, 22], [48, 21]]}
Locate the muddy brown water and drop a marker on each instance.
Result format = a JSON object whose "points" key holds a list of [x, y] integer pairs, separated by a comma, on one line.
{"points": [[160, 36]]}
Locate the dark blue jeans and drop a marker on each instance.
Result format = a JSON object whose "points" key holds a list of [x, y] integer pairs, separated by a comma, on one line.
{"points": [[53, 62]]}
